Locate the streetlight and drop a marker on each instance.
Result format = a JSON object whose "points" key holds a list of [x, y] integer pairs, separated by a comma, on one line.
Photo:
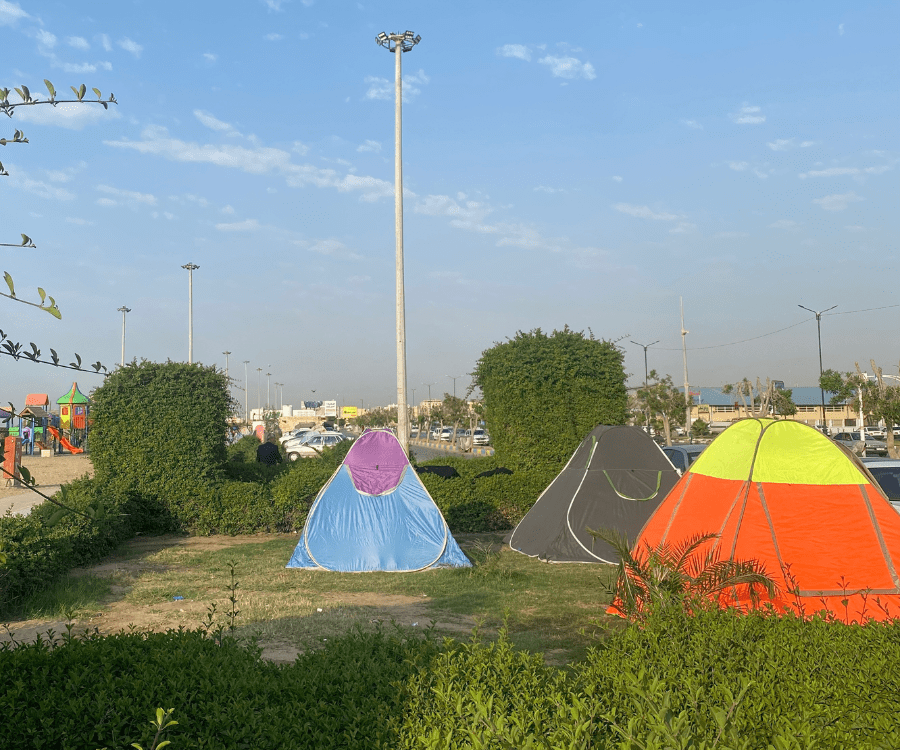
{"points": [[191, 267], [454, 377], [123, 310], [646, 374], [226, 364], [246, 391], [258, 391], [268, 378], [399, 43], [429, 389], [821, 371]]}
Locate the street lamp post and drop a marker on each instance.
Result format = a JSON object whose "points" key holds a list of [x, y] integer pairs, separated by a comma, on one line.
{"points": [[123, 310], [646, 374], [268, 380], [258, 391], [226, 364], [454, 377], [821, 371], [399, 43], [246, 392], [190, 267]]}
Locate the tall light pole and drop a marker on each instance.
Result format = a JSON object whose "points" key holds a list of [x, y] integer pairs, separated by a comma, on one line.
{"points": [[123, 310], [191, 267], [226, 364], [646, 374], [821, 371], [429, 389], [258, 391], [398, 44], [246, 392], [687, 390], [268, 380], [454, 377]]}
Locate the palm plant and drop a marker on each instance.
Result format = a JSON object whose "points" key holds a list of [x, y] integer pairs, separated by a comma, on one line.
{"points": [[682, 575]]}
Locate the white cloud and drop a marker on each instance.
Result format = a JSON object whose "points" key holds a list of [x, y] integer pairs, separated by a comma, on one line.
{"points": [[106, 202], [79, 221], [247, 225], [644, 212], [20, 180], [256, 160], [104, 40], [209, 56], [273, 37], [71, 116], [10, 13], [748, 115], [78, 42], [545, 189], [213, 123], [382, 88], [515, 50], [837, 202], [845, 171], [617, 178], [781, 144], [129, 196], [227, 210], [130, 46], [841, 29], [683, 227], [807, 144], [692, 124], [784, 224], [568, 67], [330, 247], [369, 146], [738, 166], [45, 38], [274, 4]]}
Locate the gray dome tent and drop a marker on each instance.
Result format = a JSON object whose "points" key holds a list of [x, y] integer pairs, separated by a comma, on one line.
{"points": [[615, 479]]}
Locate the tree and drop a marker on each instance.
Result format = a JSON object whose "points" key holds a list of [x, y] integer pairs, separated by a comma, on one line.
{"points": [[454, 410], [878, 400], [543, 393], [663, 400], [762, 402]]}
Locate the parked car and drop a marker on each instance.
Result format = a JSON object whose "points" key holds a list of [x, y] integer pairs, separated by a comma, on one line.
{"points": [[887, 473], [876, 432], [446, 434], [480, 437], [313, 447], [850, 439], [682, 456], [293, 434]]}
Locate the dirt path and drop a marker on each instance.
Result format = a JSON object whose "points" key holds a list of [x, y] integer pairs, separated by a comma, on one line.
{"points": [[50, 473]]}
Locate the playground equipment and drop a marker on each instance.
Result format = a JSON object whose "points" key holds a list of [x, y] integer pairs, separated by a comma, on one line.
{"points": [[74, 408], [63, 442]]}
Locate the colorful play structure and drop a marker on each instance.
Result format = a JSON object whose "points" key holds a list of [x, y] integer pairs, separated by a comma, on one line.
{"points": [[37, 429]]}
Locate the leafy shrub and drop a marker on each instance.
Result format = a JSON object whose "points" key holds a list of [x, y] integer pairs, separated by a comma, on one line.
{"points": [[715, 680], [244, 450], [493, 503], [543, 394]]}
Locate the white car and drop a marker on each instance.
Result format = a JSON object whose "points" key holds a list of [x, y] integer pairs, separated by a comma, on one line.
{"points": [[313, 447], [294, 434]]}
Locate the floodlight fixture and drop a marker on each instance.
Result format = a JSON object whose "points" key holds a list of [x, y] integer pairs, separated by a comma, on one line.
{"points": [[405, 40]]}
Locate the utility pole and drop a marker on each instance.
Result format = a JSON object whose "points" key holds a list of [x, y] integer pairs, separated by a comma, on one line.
{"points": [[687, 390], [258, 390], [268, 380], [454, 377], [647, 374], [819, 327], [226, 364], [246, 391], [398, 44], [123, 310], [191, 267]]}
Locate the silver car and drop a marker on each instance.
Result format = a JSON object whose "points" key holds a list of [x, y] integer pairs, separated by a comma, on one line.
{"points": [[852, 439], [313, 447]]}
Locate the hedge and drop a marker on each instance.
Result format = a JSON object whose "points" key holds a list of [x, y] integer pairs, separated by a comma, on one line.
{"points": [[715, 680]]}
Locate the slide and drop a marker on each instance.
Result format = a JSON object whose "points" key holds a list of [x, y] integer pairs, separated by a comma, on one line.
{"points": [[63, 442]]}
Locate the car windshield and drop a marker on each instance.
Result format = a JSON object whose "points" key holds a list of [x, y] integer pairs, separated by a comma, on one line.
{"points": [[888, 478]]}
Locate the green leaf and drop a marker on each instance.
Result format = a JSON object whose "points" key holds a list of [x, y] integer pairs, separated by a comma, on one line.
{"points": [[43, 295], [26, 240], [20, 93], [50, 88], [54, 311], [97, 92], [9, 283]]}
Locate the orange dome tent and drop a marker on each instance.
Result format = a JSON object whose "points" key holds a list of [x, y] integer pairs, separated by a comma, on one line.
{"points": [[783, 493]]}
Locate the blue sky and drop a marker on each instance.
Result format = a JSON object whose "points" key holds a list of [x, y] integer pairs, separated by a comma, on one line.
{"points": [[587, 166]]}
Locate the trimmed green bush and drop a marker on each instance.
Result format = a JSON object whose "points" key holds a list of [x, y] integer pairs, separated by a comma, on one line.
{"points": [[543, 394], [715, 680]]}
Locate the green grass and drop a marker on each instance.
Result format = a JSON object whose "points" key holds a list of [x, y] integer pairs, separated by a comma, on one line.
{"points": [[68, 598], [548, 607]]}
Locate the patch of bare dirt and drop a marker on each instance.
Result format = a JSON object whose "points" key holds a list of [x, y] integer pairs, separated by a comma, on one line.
{"points": [[49, 473]]}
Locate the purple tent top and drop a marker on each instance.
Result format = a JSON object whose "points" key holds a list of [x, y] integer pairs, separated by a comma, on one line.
{"points": [[376, 462]]}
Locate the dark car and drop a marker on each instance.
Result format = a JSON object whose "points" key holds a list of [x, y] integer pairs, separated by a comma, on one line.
{"points": [[682, 456], [887, 473]]}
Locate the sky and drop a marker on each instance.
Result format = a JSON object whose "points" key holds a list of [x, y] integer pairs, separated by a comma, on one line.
{"points": [[592, 166]]}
